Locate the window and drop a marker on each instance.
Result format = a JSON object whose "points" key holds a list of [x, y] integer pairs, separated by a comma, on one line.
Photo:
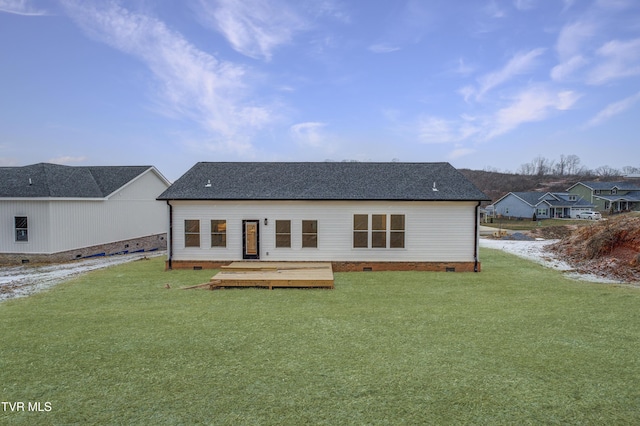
{"points": [[360, 231], [192, 233], [614, 191], [22, 228], [283, 233], [542, 212], [572, 197], [397, 231], [379, 231], [309, 233], [218, 233], [387, 231]]}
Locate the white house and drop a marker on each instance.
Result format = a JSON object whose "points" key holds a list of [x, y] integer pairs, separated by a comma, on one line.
{"points": [[51, 212], [371, 216]]}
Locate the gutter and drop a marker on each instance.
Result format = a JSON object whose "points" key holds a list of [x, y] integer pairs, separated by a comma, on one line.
{"points": [[476, 237], [170, 245]]}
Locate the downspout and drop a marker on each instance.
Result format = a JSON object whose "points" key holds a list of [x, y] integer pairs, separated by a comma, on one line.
{"points": [[476, 242], [170, 245]]}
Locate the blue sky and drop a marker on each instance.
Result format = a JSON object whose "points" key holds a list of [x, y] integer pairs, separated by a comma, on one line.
{"points": [[482, 84]]}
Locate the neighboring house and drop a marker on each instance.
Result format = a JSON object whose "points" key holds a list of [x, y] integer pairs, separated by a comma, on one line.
{"points": [[50, 212], [359, 216], [609, 196], [544, 205]]}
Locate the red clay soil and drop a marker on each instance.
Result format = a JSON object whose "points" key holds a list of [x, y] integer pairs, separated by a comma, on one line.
{"points": [[608, 248]]}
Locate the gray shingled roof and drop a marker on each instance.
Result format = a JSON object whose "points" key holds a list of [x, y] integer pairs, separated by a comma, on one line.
{"points": [[607, 186], [531, 197], [44, 180], [323, 181]]}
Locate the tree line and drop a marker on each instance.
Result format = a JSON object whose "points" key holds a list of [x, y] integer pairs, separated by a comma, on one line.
{"points": [[570, 165]]}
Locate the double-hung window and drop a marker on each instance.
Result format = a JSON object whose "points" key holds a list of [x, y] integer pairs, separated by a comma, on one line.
{"points": [[283, 233], [191, 233], [396, 239], [360, 231], [22, 228], [218, 233], [309, 233], [379, 231]]}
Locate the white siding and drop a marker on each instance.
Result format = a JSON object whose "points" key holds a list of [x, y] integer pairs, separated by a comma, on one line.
{"points": [[57, 225], [434, 231], [37, 213]]}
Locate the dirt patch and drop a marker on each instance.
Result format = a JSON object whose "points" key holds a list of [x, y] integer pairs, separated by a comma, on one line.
{"points": [[609, 248], [552, 232]]}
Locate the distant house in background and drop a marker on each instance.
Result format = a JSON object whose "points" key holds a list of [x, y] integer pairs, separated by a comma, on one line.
{"points": [[50, 212], [609, 196], [544, 205], [359, 216]]}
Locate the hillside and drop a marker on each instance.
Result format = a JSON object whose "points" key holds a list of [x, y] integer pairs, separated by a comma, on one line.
{"points": [[496, 184]]}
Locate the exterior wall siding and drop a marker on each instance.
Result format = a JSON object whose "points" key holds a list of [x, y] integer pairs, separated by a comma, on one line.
{"points": [[37, 213], [516, 207], [434, 231], [58, 225]]}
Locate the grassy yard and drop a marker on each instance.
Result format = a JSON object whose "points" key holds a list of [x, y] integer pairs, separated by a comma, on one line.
{"points": [[528, 224], [515, 344]]}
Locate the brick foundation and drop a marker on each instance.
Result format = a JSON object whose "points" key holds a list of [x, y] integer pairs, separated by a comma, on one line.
{"points": [[142, 244], [349, 266]]}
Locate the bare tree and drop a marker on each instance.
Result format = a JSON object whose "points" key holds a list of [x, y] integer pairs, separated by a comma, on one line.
{"points": [[527, 169], [542, 166], [561, 166], [606, 171], [629, 170], [572, 164]]}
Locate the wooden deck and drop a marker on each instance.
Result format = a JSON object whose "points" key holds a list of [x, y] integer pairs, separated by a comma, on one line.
{"points": [[274, 274]]}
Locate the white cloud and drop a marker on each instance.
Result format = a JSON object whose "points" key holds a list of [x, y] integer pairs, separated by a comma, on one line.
{"points": [[20, 7], [572, 38], [617, 59], [254, 28], [524, 4], [383, 48], [460, 152], [309, 133], [521, 63], [191, 83], [614, 109], [436, 130], [530, 105], [565, 69], [67, 159]]}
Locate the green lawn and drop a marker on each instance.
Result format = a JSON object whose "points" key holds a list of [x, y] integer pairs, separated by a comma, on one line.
{"points": [[528, 224], [515, 344]]}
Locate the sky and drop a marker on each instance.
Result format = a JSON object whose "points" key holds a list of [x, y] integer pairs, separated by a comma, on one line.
{"points": [[482, 84]]}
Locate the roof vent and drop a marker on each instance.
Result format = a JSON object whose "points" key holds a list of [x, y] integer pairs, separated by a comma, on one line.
{"points": [[30, 183], [434, 189], [208, 185]]}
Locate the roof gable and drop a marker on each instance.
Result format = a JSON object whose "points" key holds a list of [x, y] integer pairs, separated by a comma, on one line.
{"points": [[322, 181], [46, 180]]}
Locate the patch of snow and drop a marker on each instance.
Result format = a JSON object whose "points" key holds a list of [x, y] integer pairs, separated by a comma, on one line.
{"points": [[538, 252], [21, 281]]}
